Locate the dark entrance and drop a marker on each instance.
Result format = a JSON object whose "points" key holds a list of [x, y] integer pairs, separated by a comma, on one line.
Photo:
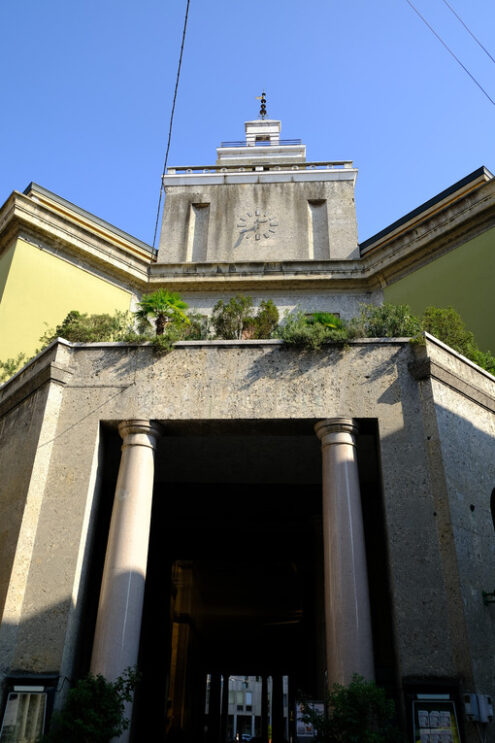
{"points": [[235, 579]]}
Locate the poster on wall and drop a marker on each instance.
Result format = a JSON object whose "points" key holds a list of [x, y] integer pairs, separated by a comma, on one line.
{"points": [[435, 721], [305, 729]]}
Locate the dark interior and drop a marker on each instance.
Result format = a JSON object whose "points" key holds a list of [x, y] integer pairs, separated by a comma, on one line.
{"points": [[235, 567]]}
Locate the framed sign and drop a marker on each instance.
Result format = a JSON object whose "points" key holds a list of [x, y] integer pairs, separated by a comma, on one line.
{"points": [[435, 721], [305, 729]]}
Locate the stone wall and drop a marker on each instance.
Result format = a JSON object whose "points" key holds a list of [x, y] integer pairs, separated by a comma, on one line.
{"points": [[298, 220], [435, 447]]}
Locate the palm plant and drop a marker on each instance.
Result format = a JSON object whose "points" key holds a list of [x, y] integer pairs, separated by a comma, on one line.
{"points": [[163, 307]]}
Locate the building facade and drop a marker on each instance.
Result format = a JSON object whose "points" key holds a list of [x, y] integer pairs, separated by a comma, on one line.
{"points": [[242, 509]]}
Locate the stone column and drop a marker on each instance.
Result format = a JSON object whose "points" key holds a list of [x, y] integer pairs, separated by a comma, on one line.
{"points": [[349, 645], [118, 624]]}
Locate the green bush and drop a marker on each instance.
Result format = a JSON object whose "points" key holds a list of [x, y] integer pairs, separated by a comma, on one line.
{"points": [[164, 343], [357, 713], [11, 366], [80, 327], [234, 320], [94, 711], [231, 318], [198, 328], [485, 359], [448, 326], [313, 331], [384, 321], [266, 320], [163, 307]]}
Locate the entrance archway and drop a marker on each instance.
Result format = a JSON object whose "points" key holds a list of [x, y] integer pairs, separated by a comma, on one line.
{"points": [[234, 583]]}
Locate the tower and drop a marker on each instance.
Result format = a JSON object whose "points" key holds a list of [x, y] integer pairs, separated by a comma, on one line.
{"points": [[261, 202]]}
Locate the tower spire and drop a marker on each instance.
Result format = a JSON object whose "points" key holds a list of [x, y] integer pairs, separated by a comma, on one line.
{"points": [[262, 98]]}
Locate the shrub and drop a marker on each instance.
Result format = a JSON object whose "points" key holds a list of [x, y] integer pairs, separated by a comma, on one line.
{"points": [[11, 366], [232, 318], [384, 321], [266, 319], [357, 713], [485, 359], [164, 342], [80, 327], [94, 711], [198, 328], [448, 326], [313, 331]]}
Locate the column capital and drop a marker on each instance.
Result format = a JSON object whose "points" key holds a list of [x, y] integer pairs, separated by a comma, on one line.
{"points": [[336, 431], [139, 432]]}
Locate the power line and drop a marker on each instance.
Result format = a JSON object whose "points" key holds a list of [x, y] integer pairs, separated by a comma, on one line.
{"points": [[450, 51], [468, 29], [171, 119]]}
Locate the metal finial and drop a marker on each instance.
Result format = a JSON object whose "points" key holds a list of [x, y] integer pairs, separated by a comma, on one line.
{"points": [[262, 98]]}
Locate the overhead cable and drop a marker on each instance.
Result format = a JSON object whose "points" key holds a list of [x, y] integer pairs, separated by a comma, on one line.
{"points": [[450, 51], [171, 119], [449, 6]]}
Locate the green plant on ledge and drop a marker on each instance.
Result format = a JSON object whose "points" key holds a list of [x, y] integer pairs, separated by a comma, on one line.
{"points": [[94, 711], [80, 327], [230, 319], [313, 331], [266, 320], [164, 308], [9, 367], [384, 321], [235, 320], [357, 713]]}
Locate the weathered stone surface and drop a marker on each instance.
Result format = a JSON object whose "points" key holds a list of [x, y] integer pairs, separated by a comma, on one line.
{"points": [[437, 460]]}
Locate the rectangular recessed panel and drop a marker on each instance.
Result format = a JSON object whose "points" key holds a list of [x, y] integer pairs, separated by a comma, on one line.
{"points": [[319, 247], [197, 241]]}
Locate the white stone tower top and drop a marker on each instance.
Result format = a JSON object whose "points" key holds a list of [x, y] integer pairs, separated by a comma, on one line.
{"points": [[262, 202], [262, 146]]}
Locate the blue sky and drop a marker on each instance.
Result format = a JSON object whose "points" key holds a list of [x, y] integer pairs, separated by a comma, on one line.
{"points": [[87, 89]]}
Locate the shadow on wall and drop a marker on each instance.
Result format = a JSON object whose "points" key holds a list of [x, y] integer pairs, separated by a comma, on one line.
{"points": [[438, 474], [41, 653]]}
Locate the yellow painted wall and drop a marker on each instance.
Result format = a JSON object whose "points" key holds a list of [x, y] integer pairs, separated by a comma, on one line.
{"points": [[5, 261], [462, 279], [39, 292]]}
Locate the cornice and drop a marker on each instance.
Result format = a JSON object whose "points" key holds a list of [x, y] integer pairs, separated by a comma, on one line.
{"points": [[437, 361], [262, 275], [426, 237], [463, 214], [458, 218], [71, 236]]}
